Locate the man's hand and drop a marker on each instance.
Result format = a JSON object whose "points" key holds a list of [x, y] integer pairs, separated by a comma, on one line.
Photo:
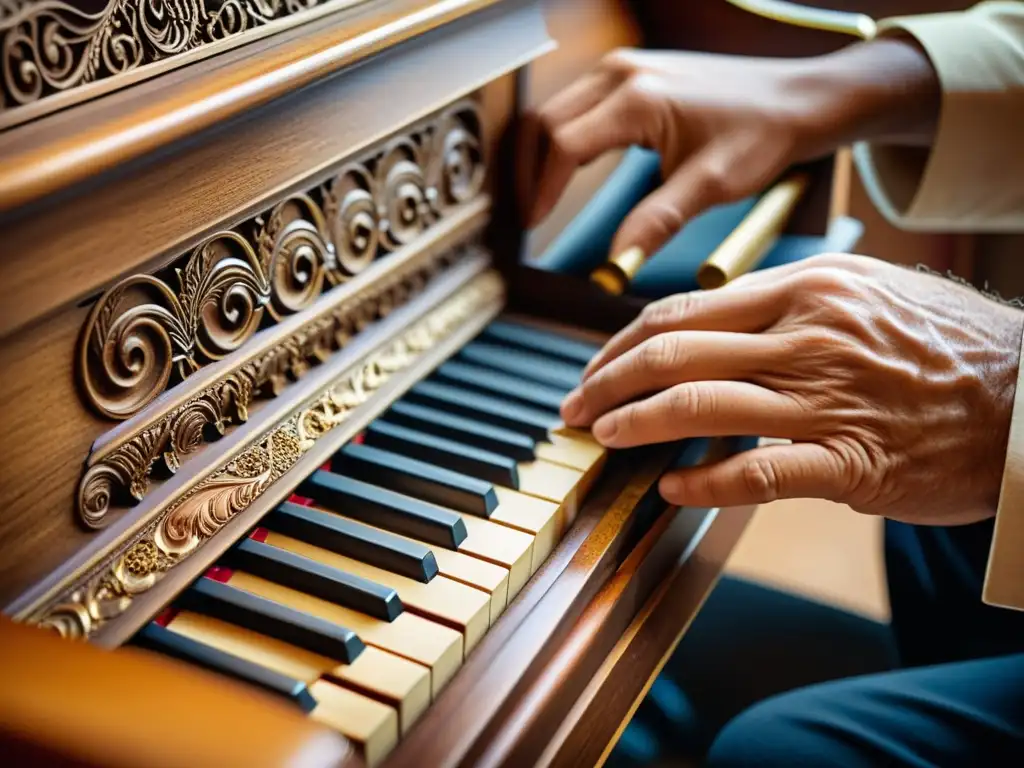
{"points": [[724, 126], [896, 388]]}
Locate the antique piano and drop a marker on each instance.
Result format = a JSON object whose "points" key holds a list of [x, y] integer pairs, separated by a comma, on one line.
{"points": [[280, 387]]}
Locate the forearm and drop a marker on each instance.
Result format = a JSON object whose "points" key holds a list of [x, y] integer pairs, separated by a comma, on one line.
{"points": [[884, 91]]}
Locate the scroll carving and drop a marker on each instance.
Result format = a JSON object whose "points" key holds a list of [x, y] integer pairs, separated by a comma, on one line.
{"points": [[150, 331], [143, 331], [54, 46], [181, 529], [123, 475]]}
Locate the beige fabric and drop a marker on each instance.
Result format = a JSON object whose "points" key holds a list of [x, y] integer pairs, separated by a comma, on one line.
{"points": [[972, 179]]}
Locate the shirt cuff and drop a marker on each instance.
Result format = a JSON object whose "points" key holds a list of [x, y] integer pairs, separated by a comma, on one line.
{"points": [[970, 178], [1004, 576]]}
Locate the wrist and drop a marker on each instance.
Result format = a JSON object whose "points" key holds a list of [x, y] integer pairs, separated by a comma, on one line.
{"points": [[884, 90]]}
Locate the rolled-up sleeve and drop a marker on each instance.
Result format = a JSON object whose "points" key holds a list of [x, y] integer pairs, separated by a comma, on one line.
{"points": [[972, 178]]}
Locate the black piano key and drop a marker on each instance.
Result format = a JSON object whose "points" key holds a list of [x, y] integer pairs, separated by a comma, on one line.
{"points": [[494, 410], [351, 539], [491, 382], [305, 575], [439, 451], [162, 640], [480, 434], [236, 606], [525, 365], [384, 508], [417, 479], [509, 333]]}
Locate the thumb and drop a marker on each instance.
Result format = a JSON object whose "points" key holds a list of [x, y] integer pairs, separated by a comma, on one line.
{"points": [[769, 473], [698, 184]]}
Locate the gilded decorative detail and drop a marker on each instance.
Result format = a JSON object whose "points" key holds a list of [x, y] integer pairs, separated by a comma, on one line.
{"points": [[124, 473], [181, 529], [150, 331], [53, 46]]}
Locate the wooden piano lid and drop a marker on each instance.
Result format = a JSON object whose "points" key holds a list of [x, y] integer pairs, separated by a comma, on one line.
{"points": [[73, 704]]}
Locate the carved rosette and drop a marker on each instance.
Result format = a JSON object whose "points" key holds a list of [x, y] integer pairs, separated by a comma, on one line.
{"points": [[181, 529], [295, 253], [53, 46], [148, 332]]}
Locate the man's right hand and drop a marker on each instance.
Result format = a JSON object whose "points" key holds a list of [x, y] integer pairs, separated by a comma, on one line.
{"points": [[724, 126]]}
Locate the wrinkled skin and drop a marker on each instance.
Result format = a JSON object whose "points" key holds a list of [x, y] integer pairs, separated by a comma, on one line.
{"points": [[896, 388]]}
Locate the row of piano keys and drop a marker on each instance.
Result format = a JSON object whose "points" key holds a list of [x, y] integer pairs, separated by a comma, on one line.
{"points": [[360, 597]]}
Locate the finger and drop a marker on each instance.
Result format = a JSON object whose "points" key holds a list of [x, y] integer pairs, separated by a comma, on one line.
{"points": [[703, 409], [615, 122], [535, 126], [580, 97], [750, 309], [705, 179], [800, 470], [666, 360]]}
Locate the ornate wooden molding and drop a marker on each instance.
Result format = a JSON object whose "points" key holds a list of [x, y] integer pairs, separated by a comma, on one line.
{"points": [[53, 47], [149, 331], [177, 532], [119, 467]]}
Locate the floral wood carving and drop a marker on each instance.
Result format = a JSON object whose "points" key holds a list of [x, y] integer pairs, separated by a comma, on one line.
{"points": [[123, 474], [53, 46], [150, 331], [178, 531]]}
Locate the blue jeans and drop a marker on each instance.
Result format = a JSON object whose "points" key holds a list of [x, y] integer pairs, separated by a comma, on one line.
{"points": [[769, 679]]}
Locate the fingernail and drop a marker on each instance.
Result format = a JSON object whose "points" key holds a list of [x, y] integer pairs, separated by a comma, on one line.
{"points": [[671, 487], [605, 430], [572, 405]]}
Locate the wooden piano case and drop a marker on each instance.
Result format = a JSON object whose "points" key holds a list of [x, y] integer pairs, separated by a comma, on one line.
{"points": [[232, 235]]}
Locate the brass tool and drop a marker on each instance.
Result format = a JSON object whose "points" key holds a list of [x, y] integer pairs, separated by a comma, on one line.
{"points": [[747, 245], [615, 275]]}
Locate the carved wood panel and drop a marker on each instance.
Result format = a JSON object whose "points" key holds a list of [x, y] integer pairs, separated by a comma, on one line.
{"points": [[148, 332], [138, 563]]}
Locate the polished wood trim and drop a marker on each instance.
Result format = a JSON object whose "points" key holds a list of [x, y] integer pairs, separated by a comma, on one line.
{"points": [[527, 636], [91, 90], [71, 704], [104, 550], [587, 734], [31, 171], [119, 222]]}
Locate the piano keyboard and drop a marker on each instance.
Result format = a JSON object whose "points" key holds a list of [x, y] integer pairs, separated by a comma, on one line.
{"points": [[360, 597]]}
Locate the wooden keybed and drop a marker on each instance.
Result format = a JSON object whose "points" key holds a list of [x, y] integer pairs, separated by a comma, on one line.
{"points": [[217, 269]]}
